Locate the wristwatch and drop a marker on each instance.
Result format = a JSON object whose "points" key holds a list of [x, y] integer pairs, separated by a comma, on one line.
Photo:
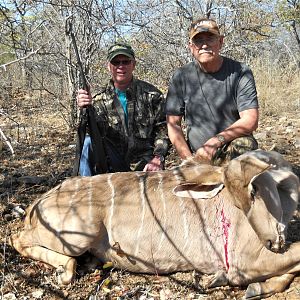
{"points": [[221, 139]]}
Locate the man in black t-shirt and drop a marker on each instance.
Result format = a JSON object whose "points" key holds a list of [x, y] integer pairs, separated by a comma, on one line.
{"points": [[216, 96]]}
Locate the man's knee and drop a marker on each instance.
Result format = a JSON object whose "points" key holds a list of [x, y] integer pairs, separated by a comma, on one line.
{"points": [[234, 149], [243, 144]]}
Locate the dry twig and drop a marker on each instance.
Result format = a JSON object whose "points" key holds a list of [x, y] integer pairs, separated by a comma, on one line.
{"points": [[7, 142]]}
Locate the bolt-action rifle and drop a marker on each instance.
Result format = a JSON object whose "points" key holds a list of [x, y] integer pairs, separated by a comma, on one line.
{"points": [[88, 118]]}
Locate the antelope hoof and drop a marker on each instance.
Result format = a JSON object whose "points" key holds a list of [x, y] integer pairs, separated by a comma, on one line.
{"points": [[66, 274], [253, 291]]}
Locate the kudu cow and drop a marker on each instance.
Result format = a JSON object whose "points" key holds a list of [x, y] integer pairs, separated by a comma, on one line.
{"points": [[229, 221]]}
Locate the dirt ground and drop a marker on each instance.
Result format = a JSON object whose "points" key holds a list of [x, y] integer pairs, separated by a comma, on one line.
{"points": [[44, 153]]}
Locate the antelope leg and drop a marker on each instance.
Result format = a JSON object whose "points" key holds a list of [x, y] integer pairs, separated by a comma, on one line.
{"points": [[66, 264], [277, 284]]}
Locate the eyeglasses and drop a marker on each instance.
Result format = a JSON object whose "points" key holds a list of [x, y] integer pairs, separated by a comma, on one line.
{"points": [[199, 42], [121, 62]]}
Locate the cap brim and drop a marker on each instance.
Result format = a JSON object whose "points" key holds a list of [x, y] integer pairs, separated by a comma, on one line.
{"points": [[202, 30], [119, 52]]}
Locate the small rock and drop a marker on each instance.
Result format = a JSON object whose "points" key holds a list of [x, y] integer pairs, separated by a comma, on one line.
{"points": [[165, 294], [261, 135], [93, 297], [65, 293], [291, 129], [9, 296], [282, 119], [37, 294], [297, 142], [18, 212]]}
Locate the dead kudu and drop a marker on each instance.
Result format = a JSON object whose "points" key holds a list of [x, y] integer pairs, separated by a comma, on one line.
{"points": [[229, 221]]}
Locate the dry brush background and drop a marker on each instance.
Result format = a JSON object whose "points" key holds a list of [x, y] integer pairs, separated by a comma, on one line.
{"points": [[38, 114]]}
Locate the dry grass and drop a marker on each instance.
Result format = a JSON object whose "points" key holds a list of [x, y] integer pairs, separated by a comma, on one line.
{"points": [[278, 88], [42, 140]]}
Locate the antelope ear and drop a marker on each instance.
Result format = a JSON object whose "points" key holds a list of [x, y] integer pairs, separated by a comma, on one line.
{"points": [[252, 167], [197, 191]]}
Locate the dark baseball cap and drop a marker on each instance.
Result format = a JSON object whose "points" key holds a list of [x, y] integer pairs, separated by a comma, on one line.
{"points": [[120, 49], [204, 25]]}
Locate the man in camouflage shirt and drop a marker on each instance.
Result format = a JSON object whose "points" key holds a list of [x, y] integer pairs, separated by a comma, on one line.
{"points": [[131, 114]]}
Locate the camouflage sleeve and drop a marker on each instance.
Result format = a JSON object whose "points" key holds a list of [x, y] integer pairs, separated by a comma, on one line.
{"points": [[161, 140], [99, 112]]}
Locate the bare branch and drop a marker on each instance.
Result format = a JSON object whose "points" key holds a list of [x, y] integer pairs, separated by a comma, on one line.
{"points": [[7, 142], [21, 58]]}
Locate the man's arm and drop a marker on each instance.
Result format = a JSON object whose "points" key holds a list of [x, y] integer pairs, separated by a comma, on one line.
{"points": [[161, 140], [176, 136], [247, 123]]}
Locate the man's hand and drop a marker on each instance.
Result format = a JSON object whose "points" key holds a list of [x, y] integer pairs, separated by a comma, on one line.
{"points": [[208, 150], [84, 98], [177, 137], [155, 164]]}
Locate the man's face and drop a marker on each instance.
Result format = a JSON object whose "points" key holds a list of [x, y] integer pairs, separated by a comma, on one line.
{"points": [[206, 47], [121, 68]]}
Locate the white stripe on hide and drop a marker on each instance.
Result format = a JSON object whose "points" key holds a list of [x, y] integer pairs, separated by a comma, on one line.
{"points": [[185, 223], [142, 196], [111, 209], [179, 179], [74, 213], [90, 200], [164, 212]]}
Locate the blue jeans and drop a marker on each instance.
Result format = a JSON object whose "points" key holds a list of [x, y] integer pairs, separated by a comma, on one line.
{"points": [[84, 166]]}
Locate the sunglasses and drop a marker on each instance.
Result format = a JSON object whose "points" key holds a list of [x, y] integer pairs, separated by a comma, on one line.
{"points": [[121, 62], [199, 42]]}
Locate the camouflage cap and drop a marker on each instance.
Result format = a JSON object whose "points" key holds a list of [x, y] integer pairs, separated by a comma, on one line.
{"points": [[120, 49], [203, 25]]}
